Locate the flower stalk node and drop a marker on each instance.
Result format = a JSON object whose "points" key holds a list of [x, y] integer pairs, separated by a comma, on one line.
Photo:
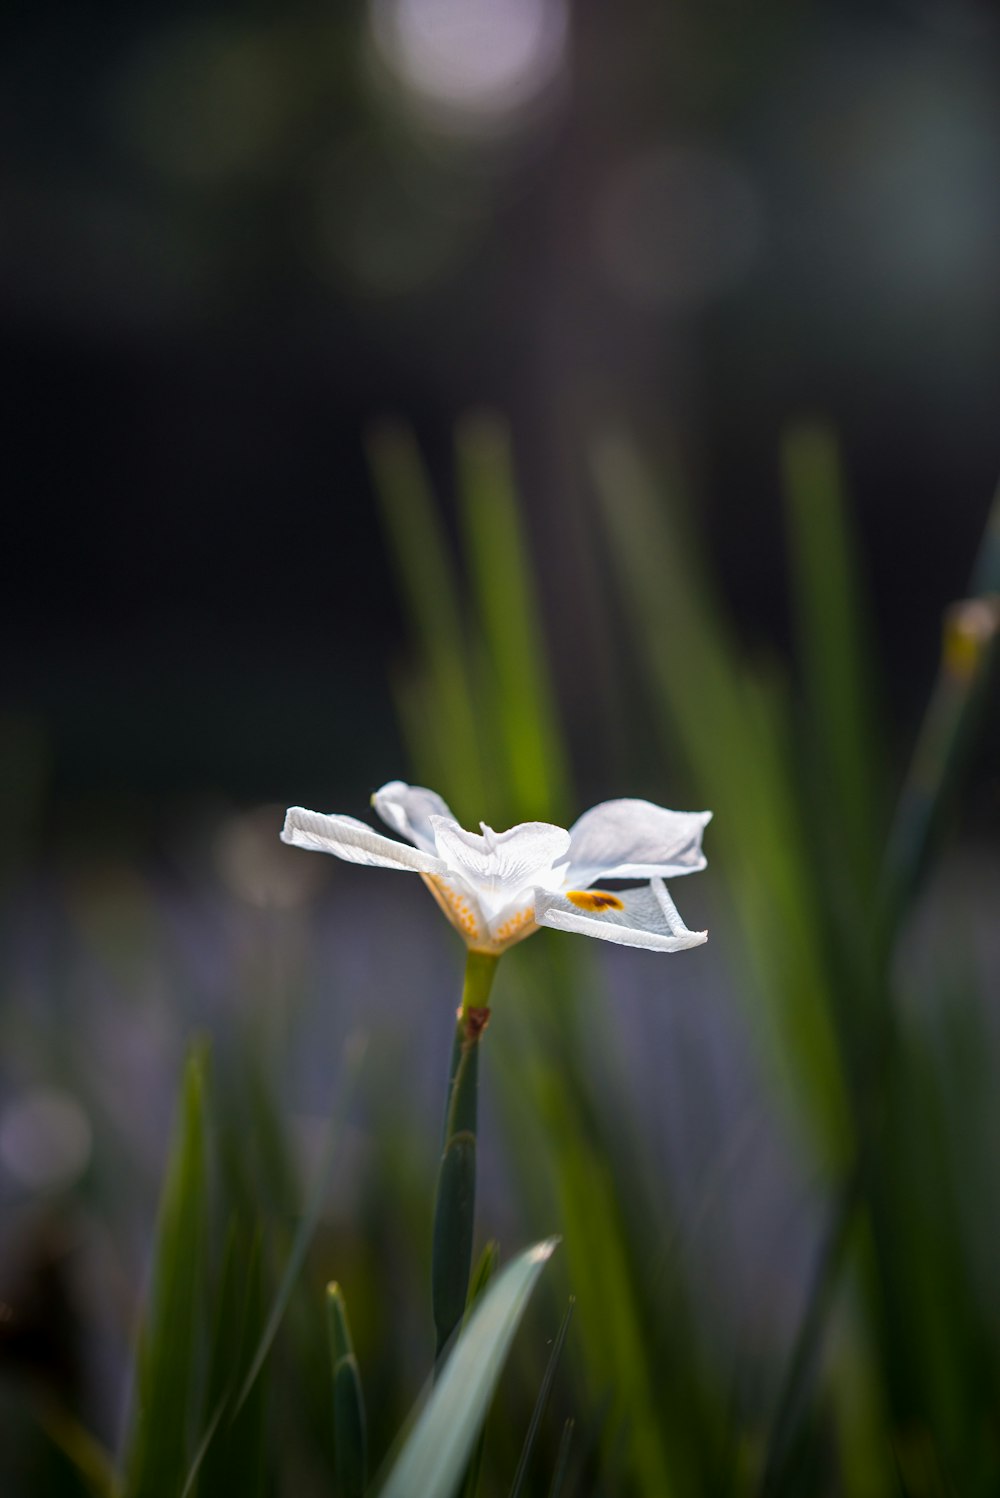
{"points": [[476, 1020]]}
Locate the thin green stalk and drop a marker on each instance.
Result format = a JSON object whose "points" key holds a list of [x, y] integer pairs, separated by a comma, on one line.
{"points": [[968, 652], [349, 1426], [536, 772], [420, 549], [541, 1403], [562, 1459], [455, 1205]]}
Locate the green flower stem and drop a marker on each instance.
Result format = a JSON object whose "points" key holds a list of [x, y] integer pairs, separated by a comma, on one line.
{"points": [[455, 1205]]}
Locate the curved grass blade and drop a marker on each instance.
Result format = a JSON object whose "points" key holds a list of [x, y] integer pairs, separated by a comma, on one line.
{"points": [[231, 1456], [157, 1461], [435, 1454], [354, 1055], [349, 1427], [562, 1459], [541, 1402], [484, 1272]]}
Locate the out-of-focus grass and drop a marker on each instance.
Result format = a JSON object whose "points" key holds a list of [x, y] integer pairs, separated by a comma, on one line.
{"points": [[822, 900], [881, 1077], [169, 1348]]}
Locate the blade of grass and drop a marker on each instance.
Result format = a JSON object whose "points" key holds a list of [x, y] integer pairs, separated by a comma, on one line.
{"points": [[541, 1403], [536, 768], [803, 1363], [231, 1457], [611, 1329], [968, 656], [967, 660], [353, 1058], [426, 577], [484, 1272], [158, 1448], [562, 1459], [834, 637], [732, 731], [349, 1428], [438, 1447]]}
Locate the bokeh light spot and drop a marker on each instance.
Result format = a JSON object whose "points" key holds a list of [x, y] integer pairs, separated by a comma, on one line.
{"points": [[472, 65], [45, 1139]]}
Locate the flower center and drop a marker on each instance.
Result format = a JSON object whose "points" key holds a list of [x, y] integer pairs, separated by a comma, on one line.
{"points": [[514, 927], [455, 906]]}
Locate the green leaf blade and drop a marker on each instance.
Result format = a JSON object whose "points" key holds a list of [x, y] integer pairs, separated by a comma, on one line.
{"points": [[349, 1424], [158, 1448], [435, 1454]]}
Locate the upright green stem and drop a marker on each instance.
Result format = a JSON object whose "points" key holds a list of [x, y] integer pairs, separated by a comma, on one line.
{"points": [[454, 1208]]}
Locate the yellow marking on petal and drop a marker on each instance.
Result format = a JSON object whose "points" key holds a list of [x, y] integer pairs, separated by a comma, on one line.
{"points": [[514, 929], [514, 924], [596, 900]]}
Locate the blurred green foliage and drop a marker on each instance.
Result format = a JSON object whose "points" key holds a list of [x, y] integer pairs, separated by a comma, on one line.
{"points": [[891, 1380]]}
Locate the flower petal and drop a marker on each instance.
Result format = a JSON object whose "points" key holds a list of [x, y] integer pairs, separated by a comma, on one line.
{"points": [[499, 865], [632, 917], [350, 839], [634, 840], [408, 810]]}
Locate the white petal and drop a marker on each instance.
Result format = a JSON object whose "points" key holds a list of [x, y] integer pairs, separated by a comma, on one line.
{"points": [[634, 840], [499, 865], [408, 810], [348, 838], [639, 918]]}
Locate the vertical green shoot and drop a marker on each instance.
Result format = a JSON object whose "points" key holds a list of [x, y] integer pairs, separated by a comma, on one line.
{"points": [[349, 1427], [426, 576], [168, 1354], [536, 768], [731, 728], [835, 642]]}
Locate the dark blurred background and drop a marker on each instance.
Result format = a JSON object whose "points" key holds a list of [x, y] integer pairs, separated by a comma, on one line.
{"points": [[233, 237]]}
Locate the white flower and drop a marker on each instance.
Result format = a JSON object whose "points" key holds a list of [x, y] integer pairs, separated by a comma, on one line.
{"points": [[498, 887]]}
